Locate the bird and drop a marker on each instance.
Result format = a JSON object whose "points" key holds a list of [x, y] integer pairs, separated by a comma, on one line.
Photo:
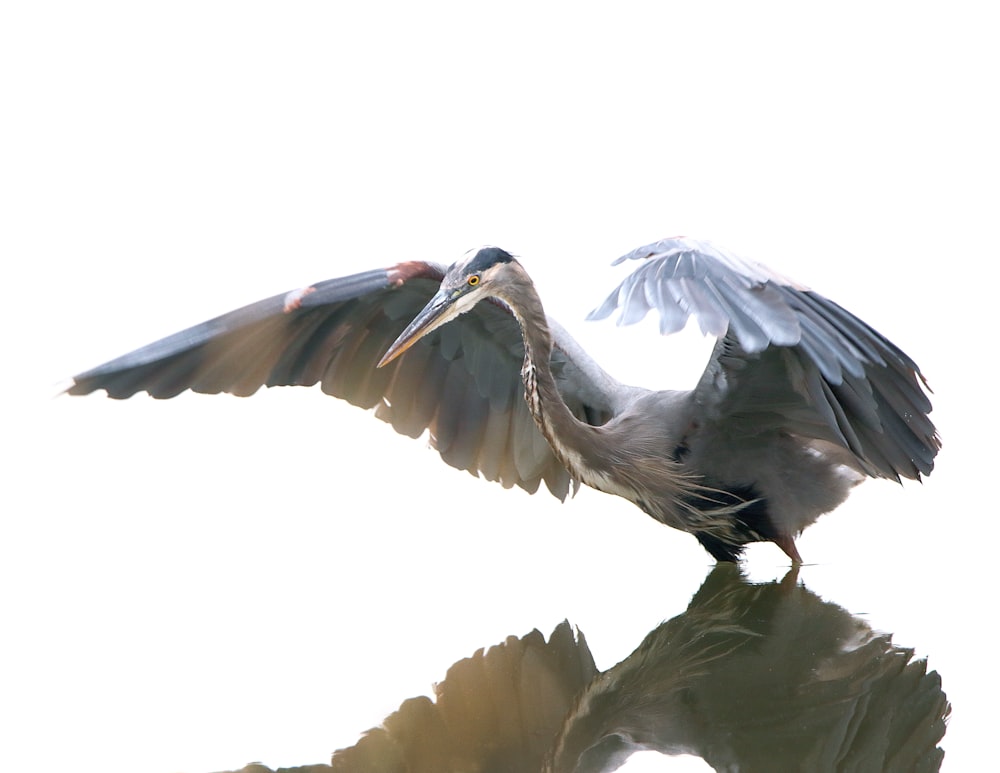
{"points": [[799, 402]]}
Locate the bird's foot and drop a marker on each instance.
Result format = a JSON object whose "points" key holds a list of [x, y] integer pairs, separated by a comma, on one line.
{"points": [[787, 543]]}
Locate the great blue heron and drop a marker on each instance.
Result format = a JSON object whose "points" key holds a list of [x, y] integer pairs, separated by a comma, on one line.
{"points": [[799, 402]]}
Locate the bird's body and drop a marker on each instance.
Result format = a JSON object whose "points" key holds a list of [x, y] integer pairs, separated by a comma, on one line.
{"points": [[800, 400]]}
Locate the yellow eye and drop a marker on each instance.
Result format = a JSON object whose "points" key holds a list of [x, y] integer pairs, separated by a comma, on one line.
{"points": [[474, 280]]}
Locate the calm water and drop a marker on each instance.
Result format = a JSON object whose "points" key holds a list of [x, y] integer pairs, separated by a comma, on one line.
{"points": [[183, 607], [752, 677]]}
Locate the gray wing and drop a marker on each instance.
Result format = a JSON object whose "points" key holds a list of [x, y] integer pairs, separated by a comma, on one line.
{"points": [[787, 358], [462, 382]]}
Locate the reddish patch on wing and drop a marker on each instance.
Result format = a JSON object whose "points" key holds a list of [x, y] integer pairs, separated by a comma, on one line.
{"points": [[412, 269], [293, 300]]}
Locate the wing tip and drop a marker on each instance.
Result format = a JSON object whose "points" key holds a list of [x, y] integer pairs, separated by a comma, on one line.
{"points": [[66, 386]]}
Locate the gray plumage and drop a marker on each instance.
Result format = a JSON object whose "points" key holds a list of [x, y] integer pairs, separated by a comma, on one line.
{"points": [[800, 399]]}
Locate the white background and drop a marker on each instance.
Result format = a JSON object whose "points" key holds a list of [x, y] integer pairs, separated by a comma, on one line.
{"points": [[194, 584]]}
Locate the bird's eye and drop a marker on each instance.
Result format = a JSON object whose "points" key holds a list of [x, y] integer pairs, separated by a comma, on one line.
{"points": [[473, 280]]}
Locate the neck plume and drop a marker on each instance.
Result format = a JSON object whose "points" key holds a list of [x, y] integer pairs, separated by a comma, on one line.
{"points": [[565, 434]]}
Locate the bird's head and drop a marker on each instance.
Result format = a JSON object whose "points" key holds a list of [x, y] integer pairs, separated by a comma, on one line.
{"points": [[479, 274]]}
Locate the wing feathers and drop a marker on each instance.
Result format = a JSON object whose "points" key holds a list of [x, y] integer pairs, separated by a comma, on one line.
{"points": [[844, 381], [462, 383]]}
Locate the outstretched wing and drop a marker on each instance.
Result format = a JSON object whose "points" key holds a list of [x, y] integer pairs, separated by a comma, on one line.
{"points": [[787, 357], [462, 382]]}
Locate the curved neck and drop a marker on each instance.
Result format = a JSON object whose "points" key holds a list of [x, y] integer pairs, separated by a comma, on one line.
{"points": [[560, 427], [602, 457]]}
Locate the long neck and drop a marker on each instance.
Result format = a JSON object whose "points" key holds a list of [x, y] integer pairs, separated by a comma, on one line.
{"points": [[592, 455], [607, 459], [561, 429]]}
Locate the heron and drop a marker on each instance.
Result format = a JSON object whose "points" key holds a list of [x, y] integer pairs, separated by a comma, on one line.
{"points": [[799, 402]]}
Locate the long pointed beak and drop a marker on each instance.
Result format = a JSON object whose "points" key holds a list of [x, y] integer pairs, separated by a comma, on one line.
{"points": [[439, 310]]}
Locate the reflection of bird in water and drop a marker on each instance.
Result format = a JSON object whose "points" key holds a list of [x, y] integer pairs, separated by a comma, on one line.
{"points": [[761, 678], [496, 711], [750, 678], [800, 399]]}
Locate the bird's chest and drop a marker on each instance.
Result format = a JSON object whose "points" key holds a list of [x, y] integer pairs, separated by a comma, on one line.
{"points": [[567, 448]]}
